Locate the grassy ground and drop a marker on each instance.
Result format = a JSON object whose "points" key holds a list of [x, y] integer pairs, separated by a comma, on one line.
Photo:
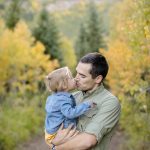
{"points": [[38, 143], [21, 118]]}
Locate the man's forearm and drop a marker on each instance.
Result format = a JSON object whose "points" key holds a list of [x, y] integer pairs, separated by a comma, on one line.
{"points": [[82, 141]]}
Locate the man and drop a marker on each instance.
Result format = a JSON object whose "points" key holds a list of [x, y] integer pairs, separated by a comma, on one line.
{"points": [[97, 125]]}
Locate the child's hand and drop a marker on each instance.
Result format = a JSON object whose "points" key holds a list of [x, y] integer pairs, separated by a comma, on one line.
{"points": [[93, 105]]}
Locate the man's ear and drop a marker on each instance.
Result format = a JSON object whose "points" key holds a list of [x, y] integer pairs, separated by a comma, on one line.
{"points": [[98, 79]]}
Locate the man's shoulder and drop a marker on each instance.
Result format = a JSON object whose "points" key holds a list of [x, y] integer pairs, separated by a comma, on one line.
{"points": [[110, 100], [106, 96], [103, 92]]}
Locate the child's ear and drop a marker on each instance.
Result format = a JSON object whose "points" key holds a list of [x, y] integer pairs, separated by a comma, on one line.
{"points": [[98, 79]]}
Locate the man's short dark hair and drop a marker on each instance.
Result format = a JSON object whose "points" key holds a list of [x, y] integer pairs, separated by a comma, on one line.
{"points": [[98, 62]]}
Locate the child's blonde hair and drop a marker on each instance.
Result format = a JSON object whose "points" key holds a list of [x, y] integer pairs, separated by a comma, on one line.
{"points": [[57, 80]]}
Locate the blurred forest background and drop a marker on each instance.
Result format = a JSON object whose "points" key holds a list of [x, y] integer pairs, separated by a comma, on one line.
{"points": [[37, 36]]}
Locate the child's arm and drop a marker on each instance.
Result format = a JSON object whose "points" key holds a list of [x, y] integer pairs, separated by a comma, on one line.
{"points": [[76, 111]]}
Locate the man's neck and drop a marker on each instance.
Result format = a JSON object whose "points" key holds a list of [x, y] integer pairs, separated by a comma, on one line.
{"points": [[93, 89]]}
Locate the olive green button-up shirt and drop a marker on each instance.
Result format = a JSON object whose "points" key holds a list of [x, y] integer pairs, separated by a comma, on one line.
{"points": [[101, 120]]}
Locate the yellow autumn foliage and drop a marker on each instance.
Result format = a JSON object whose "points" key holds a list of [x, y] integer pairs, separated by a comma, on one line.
{"points": [[126, 68], [23, 63], [68, 53], [129, 79], [132, 23], [129, 75]]}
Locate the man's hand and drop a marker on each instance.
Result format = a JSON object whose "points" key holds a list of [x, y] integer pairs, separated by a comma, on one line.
{"points": [[64, 135]]}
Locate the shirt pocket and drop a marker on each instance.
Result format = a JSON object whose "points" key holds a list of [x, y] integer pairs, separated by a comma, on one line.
{"points": [[91, 113], [85, 119]]}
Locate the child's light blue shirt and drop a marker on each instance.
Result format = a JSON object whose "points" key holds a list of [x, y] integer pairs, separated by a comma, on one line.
{"points": [[61, 108]]}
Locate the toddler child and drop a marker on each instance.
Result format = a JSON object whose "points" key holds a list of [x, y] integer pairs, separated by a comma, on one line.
{"points": [[61, 106]]}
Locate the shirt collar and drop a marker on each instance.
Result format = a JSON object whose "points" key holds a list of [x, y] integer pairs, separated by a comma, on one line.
{"points": [[94, 91]]}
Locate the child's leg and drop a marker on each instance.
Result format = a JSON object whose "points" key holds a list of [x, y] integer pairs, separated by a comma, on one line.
{"points": [[49, 138]]}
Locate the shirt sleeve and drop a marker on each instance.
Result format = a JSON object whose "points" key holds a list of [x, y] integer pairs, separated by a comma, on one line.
{"points": [[71, 111], [105, 119]]}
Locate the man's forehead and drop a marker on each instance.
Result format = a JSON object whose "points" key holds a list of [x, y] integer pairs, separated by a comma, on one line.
{"points": [[83, 68]]}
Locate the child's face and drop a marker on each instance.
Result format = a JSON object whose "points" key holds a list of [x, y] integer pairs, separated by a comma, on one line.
{"points": [[71, 83]]}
